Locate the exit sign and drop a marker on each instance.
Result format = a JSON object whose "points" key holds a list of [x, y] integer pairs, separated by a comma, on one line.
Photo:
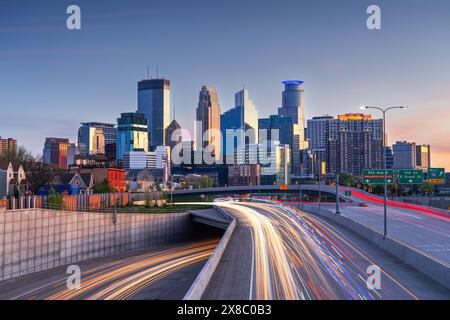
{"points": [[436, 175], [376, 176], [410, 176]]}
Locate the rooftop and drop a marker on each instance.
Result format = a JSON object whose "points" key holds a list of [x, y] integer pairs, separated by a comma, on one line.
{"points": [[287, 82]]}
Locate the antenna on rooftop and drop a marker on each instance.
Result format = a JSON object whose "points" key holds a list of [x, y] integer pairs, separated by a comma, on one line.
{"points": [[174, 109]]}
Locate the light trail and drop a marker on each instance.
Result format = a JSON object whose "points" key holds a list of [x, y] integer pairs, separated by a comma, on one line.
{"points": [[302, 257], [124, 278]]}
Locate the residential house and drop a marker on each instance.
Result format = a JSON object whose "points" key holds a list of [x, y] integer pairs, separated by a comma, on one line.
{"points": [[70, 183], [12, 179]]}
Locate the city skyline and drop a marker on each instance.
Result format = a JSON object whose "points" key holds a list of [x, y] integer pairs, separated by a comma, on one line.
{"points": [[238, 153], [354, 66]]}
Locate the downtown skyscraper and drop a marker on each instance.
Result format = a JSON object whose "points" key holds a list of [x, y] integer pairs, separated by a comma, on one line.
{"points": [[56, 152], [131, 134], [355, 143], [154, 103], [293, 106], [242, 120], [94, 137], [208, 122]]}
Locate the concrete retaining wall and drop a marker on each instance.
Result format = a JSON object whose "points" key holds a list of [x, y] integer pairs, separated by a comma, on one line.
{"points": [[201, 282], [33, 240], [430, 266]]}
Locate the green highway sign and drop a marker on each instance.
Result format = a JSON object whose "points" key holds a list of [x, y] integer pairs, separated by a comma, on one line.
{"points": [[376, 176], [436, 175], [406, 176]]}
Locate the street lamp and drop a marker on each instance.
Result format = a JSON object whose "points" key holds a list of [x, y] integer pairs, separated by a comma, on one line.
{"points": [[337, 193], [384, 110]]}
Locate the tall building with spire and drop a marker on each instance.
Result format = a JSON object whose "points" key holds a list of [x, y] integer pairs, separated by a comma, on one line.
{"points": [[154, 103], [208, 121]]}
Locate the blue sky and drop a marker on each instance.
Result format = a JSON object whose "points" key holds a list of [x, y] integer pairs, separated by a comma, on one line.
{"points": [[51, 78]]}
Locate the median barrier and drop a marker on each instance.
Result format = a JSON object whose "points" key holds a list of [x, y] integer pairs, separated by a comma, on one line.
{"points": [[201, 282]]}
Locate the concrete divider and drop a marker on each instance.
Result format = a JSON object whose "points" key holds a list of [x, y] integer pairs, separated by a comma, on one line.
{"points": [[420, 260], [201, 282]]}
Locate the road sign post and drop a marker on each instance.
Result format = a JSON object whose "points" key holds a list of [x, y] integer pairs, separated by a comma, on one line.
{"points": [[376, 176], [436, 175], [410, 176]]}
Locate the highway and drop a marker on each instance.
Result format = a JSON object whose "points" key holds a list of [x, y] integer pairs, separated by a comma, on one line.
{"points": [[294, 255], [425, 228], [164, 274]]}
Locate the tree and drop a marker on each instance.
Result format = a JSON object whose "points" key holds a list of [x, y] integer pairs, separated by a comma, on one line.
{"points": [[429, 188], [55, 201], [347, 180], [206, 182], [18, 155], [103, 187], [38, 173]]}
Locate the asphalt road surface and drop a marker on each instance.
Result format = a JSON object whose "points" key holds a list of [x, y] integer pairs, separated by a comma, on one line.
{"points": [[293, 255], [427, 232], [164, 274]]}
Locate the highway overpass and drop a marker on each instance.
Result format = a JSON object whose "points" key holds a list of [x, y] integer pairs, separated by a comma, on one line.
{"points": [[291, 189]]}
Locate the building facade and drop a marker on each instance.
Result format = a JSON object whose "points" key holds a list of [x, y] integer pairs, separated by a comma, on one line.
{"points": [[12, 179], [239, 125], [94, 137], [132, 133], [173, 134], [56, 152], [293, 107], [389, 158], [154, 103], [208, 122], [244, 175], [423, 156], [6, 145], [135, 160], [404, 155], [115, 177], [355, 143], [275, 161], [318, 136]]}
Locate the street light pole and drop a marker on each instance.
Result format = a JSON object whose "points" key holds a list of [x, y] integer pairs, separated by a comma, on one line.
{"points": [[171, 189], [384, 159], [337, 194], [320, 189]]}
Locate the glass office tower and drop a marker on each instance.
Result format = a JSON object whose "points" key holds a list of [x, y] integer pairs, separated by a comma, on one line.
{"points": [[243, 116], [132, 133], [154, 103]]}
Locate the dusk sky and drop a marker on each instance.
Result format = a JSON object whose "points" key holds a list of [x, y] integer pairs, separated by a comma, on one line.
{"points": [[51, 79]]}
